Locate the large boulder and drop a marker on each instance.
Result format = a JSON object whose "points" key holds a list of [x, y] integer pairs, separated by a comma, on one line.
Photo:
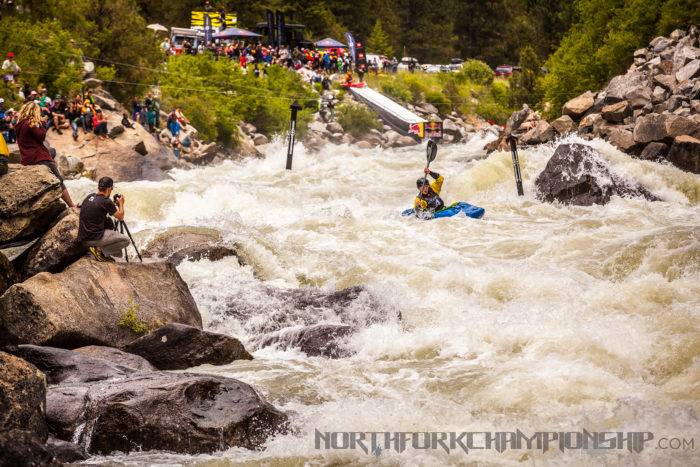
{"points": [[617, 112], [677, 125], [654, 151], [22, 397], [576, 107], [67, 366], [667, 82], [639, 96], [95, 303], [685, 153], [543, 132], [177, 347], [180, 243], [577, 174], [650, 128], [30, 201], [335, 127], [19, 448], [564, 125], [57, 249], [126, 165], [320, 340], [176, 412]]}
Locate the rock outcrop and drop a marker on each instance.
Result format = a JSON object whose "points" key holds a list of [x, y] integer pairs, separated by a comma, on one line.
{"points": [[22, 397], [177, 347], [57, 249], [179, 243], [176, 412], [30, 200], [527, 126], [646, 110], [95, 303], [577, 174], [320, 340], [8, 274]]}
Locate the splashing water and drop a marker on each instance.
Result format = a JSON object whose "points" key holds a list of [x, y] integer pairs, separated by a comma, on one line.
{"points": [[539, 317]]}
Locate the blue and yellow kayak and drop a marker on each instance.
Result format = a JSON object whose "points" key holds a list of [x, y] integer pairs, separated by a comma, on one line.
{"points": [[475, 212]]}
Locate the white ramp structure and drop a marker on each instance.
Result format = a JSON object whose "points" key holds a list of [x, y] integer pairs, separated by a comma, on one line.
{"points": [[394, 114]]}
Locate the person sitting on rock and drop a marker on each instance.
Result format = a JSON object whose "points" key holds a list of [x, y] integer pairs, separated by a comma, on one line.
{"points": [[96, 230], [99, 123], [126, 123], [31, 133], [173, 124], [428, 200], [73, 115]]}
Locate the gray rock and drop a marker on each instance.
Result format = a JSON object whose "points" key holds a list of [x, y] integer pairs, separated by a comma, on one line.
{"points": [[249, 128], [677, 35], [650, 128], [320, 340], [564, 125], [667, 82], [116, 131], [689, 71], [588, 122], [622, 139], [364, 145], [660, 44], [685, 153], [677, 125], [92, 83], [640, 53], [616, 113], [177, 347], [67, 366], [577, 174], [578, 106], [639, 96], [116, 357], [178, 244], [30, 201], [334, 127], [22, 397], [57, 249], [402, 141], [176, 412], [542, 133], [260, 139], [57, 310], [658, 95], [140, 148], [391, 136], [620, 85], [654, 151], [427, 108]]}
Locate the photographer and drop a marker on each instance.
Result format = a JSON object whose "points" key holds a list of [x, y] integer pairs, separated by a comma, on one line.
{"points": [[96, 230]]}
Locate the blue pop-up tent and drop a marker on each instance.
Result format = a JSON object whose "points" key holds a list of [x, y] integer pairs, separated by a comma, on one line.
{"points": [[329, 43], [234, 32]]}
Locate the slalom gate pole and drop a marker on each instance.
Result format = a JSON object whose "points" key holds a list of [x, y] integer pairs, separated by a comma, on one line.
{"points": [[295, 107], [516, 164]]}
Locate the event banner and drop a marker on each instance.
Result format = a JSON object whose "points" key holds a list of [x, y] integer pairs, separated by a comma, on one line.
{"points": [[197, 19]]}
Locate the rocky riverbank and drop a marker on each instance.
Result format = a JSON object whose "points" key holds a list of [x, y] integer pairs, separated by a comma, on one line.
{"points": [[652, 112]]}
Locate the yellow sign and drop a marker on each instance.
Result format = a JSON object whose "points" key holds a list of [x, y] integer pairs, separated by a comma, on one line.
{"points": [[197, 19]]}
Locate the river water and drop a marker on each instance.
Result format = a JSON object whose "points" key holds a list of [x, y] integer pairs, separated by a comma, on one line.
{"points": [[538, 317]]}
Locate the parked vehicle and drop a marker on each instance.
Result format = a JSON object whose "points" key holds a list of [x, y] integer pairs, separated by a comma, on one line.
{"points": [[455, 64], [505, 71], [406, 61], [178, 36]]}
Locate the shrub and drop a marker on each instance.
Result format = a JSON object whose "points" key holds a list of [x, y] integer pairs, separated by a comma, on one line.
{"points": [[357, 119], [477, 72], [439, 100], [394, 90]]}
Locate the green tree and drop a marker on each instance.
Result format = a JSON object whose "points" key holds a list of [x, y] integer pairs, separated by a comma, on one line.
{"points": [[378, 41], [524, 88]]}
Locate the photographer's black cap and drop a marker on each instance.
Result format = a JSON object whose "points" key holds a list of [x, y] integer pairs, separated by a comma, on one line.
{"points": [[104, 183]]}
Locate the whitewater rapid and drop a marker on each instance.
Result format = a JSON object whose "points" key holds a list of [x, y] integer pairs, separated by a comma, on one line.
{"points": [[539, 317]]}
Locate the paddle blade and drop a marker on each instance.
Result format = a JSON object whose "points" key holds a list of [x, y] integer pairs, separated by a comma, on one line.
{"points": [[431, 151]]}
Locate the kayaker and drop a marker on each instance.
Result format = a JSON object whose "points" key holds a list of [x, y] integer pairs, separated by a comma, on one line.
{"points": [[428, 200]]}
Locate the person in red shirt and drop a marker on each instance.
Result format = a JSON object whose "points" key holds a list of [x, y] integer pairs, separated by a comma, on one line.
{"points": [[31, 133]]}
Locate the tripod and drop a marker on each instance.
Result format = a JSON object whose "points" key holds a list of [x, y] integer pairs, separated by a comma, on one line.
{"points": [[121, 226]]}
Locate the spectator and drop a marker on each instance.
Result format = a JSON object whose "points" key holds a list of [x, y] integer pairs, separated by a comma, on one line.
{"points": [[135, 109], [177, 147], [125, 121], [11, 123], [153, 111], [173, 124], [4, 156], [10, 69], [73, 115], [99, 124], [87, 111], [31, 134]]}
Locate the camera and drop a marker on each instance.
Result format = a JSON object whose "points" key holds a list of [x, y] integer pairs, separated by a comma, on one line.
{"points": [[117, 196]]}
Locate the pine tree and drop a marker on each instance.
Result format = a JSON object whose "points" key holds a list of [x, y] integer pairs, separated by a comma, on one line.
{"points": [[378, 41], [524, 84]]}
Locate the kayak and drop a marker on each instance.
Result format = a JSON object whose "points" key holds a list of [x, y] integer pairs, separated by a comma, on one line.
{"points": [[353, 85], [475, 212]]}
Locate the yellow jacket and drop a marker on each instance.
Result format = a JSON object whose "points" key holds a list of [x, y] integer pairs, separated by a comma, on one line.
{"points": [[432, 200]]}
